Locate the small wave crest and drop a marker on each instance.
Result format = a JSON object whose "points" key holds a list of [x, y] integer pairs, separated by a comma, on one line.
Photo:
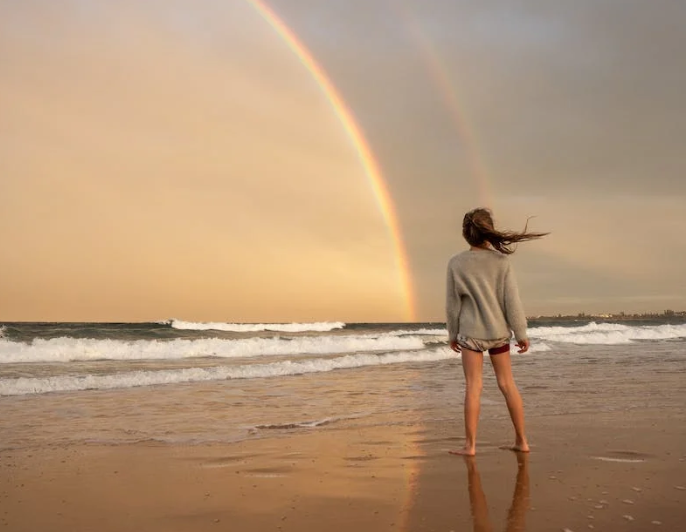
{"points": [[608, 333], [73, 349], [536, 347], [70, 383], [257, 327], [299, 424], [422, 332]]}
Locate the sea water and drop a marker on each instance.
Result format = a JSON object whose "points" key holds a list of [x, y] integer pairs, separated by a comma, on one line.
{"points": [[185, 383]]}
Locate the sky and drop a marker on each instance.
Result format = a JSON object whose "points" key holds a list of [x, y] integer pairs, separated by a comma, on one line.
{"points": [[183, 158]]}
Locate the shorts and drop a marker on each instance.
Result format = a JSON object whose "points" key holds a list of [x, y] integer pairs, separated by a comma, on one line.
{"points": [[494, 347]]}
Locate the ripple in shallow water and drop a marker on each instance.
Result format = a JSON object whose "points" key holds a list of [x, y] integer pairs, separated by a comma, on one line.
{"points": [[613, 459]]}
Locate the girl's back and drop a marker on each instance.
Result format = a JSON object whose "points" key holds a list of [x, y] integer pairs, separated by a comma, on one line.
{"points": [[483, 299]]}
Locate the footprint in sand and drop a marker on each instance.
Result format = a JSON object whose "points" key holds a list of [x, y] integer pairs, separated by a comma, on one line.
{"points": [[225, 461]]}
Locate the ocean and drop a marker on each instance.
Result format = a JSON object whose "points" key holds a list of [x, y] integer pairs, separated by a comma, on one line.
{"points": [[177, 382]]}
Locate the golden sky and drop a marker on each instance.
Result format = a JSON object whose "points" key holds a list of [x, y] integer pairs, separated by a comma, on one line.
{"points": [[176, 159]]}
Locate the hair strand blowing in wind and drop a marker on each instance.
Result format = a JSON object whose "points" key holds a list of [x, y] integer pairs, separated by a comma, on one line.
{"points": [[478, 229]]}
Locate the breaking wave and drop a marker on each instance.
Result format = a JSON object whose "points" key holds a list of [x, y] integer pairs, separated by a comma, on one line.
{"points": [[24, 385], [608, 333], [73, 349], [257, 327]]}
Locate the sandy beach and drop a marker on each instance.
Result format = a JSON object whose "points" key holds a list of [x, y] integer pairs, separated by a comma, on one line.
{"points": [[609, 472]]}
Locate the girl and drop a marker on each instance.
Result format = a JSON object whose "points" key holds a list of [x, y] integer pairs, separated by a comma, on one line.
{"points": [[483, 310]]}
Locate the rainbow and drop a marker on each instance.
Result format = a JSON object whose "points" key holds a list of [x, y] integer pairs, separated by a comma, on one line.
{"points": [[367, 159], [441, 78]]}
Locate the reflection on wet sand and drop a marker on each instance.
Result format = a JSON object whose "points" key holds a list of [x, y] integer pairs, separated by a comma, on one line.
{"points": [[516, 516]]}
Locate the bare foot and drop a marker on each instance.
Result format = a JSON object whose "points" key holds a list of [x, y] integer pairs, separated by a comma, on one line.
{"points": [[517, 447], [465, 451]]}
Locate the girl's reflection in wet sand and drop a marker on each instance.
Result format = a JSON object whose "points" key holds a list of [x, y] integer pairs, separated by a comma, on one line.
{"points": [[520, 499]]}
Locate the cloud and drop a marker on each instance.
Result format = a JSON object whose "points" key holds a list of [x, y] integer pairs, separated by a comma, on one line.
{"points": [[147, 174], [200, 121]]}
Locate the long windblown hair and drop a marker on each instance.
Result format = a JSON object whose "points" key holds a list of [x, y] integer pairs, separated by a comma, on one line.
{"points": [[478, 229]]}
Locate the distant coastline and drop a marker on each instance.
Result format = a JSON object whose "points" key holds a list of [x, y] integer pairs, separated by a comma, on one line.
{"points": [[665, 316], [676, 315]]}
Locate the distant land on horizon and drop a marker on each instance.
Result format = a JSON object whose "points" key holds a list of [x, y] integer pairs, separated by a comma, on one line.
{"points": [[670, 315], [620, 316]]}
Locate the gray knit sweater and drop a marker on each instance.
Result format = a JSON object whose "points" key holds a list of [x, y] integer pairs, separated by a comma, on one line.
{"points": [[482, 298]]}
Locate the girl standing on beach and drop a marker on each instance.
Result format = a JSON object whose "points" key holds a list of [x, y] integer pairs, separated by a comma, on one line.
{"points": [[483, 310]]}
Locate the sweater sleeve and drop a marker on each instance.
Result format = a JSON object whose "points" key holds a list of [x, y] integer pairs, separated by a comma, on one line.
{"points": [[452, 306], [514, 312]]}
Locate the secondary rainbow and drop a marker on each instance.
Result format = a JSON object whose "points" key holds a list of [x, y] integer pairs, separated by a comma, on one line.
{"points": [[367, 159], [440, 76]]}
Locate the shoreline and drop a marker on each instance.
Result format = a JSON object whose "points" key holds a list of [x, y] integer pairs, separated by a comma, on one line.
{"points": [[605, 471]]}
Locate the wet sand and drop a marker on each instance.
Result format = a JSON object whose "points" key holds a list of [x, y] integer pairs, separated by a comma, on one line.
{"points": [[613, 471]]}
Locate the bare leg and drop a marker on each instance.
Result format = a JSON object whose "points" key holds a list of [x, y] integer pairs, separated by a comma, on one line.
{"points": [[472, 365], [503, 373]]}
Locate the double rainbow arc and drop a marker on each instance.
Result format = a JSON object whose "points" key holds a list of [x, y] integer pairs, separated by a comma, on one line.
{"points": [[361, 145], [441, 78]]}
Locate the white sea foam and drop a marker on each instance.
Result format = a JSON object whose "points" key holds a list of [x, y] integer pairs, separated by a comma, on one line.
{"points": [[422, 332], [535, 348], [621, 460], [23, 385], [257, 327], [302, 424], [608, 333], [2, 331], [73, 349]]}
